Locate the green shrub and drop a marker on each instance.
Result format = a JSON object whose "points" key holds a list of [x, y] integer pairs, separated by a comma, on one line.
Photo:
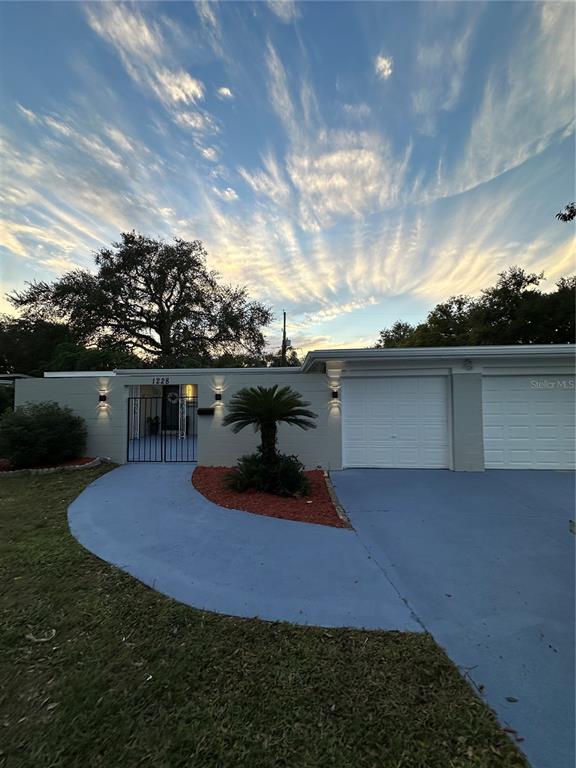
{"points": [[283, 477], [41, 433]]}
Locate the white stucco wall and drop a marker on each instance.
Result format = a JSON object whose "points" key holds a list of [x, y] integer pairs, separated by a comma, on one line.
{"points": [[217, 445]]}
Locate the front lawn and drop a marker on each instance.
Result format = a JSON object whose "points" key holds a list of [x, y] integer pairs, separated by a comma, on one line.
{"points": [[98, 670]]}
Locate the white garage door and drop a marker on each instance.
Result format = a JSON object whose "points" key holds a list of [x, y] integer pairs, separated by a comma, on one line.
{"points": [[529, 422], [395, 422]]}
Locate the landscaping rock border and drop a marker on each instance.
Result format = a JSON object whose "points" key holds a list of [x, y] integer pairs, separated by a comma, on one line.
{"points": [[337, 506], [50, 470]]}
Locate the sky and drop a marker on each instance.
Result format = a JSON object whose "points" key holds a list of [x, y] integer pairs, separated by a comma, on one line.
{"points": [[351, 163]]}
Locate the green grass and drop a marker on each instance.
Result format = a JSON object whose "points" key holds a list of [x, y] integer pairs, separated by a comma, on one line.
{"points": [[132, 678]]}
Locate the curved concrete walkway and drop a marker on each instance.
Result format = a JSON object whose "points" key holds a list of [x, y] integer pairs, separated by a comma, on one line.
{"points": [[150, 521]]}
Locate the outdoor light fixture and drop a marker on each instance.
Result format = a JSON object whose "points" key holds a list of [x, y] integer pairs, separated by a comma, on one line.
{"points": [[102, 397], [218, 396], [467, 364], [334, 394]]}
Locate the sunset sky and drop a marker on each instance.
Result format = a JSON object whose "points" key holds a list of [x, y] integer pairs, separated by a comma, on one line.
{"points": [[352, 163]]}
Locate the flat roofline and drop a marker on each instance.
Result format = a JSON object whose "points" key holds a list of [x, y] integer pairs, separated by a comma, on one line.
{"points": [[76, 374], [165, 372], [202, 371], [415, 353]]}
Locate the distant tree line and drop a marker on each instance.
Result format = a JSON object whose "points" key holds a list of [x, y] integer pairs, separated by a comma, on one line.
{"points": [[514, 311]]}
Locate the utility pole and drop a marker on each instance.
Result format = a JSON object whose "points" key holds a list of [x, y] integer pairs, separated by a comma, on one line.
{"points": [[283, 351]]}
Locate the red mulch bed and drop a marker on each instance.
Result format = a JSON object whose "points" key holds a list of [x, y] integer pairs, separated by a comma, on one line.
{"points": [[315, 508], [5, 465]]}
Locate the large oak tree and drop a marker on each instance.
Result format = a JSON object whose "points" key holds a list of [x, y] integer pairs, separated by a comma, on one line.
{"points": [[155, 298]]}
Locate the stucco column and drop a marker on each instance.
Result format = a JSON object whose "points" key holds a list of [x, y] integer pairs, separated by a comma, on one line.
{"points": [[467, 432]]}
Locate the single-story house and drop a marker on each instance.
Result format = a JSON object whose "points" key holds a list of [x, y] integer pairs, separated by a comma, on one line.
{"points": [[461, 408]]}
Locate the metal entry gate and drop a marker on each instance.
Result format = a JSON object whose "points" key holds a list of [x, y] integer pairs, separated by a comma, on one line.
{"points": [[162, 428]]}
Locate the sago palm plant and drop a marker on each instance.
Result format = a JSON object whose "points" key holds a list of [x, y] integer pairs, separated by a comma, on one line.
{"points": [[264, 408]]}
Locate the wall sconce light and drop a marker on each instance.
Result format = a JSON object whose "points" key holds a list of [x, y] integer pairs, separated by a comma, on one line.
{"points": [[102, 398], [467, 364], [218, 396], [334, 394]]}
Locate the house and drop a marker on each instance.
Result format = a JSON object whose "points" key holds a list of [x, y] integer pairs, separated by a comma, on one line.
{"points": [[460, 408]]}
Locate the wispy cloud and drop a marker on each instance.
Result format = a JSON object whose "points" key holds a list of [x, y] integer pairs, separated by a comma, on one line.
{"points": [[333, 173], [345, 174], [358, 111], [335, 310], [211, 29], [286, 10], [383, 66], [224, 93], [180, 86], [441, 66], [28, 114], [228, 194], [147, 58], [269, 181], [527, 109], [278, 89], [209, 153]]}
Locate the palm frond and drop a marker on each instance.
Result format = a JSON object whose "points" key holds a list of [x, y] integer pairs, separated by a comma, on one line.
{"points": [[264, 405]]}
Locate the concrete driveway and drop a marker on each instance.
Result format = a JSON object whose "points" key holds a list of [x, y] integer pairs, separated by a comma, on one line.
{"points": [[486, 562], [150, 520]]}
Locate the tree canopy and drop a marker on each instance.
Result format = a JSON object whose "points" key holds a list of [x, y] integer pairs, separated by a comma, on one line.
{"points": [[34, 346], [514, 311], [568, 213], [153, 298]]}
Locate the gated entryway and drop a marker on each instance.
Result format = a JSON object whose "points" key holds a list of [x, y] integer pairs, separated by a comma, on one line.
{"points": [[162, 428]]}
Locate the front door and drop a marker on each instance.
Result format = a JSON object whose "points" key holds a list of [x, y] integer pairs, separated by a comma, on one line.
{"points": [[170, 404]]}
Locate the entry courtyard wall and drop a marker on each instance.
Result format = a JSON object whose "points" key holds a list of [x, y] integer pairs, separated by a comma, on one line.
{"points": [[217, 445]]}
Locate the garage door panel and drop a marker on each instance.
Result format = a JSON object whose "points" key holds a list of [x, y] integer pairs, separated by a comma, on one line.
{"points": [[404, 421], [378, 432], [528, 422], [432, 411], [406, 457], [548, 432], [435, 457], [378, 456], [493, 409], [518, 409], [356, 457], [519, 431], [548, 456], [404, 411], [434, 433], [379, 411]]}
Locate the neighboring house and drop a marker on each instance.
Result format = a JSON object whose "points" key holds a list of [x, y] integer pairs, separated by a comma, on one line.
{"points": [[461, 408]]}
